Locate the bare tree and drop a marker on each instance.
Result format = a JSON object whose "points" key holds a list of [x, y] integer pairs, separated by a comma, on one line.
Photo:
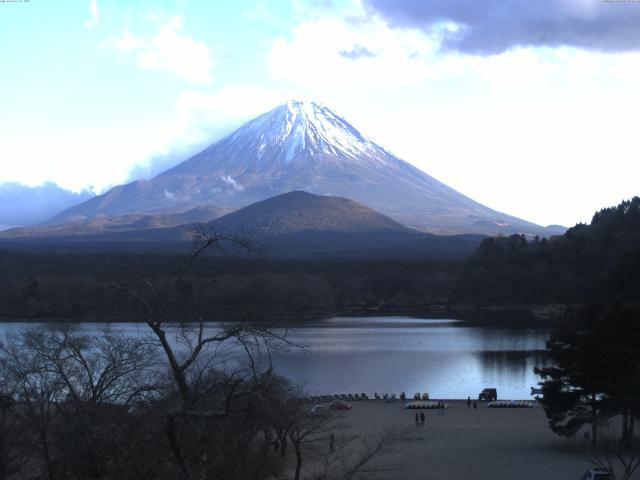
{"points": [[109, 368], [207, 393], [11, 433], [304, 428], [311, 433], [184, 357], [73, 392], [39, 392], [352, 456], [621, 458]]}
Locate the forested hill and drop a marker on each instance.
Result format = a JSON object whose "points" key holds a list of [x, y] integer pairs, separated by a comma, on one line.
{"points": [[589, 262]]}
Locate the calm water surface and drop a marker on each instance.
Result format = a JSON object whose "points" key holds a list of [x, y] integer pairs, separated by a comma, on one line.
{"points": [[447, 358]]}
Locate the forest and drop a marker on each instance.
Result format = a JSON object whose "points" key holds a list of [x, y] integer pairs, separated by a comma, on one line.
{"points": [[75, 287], [598, 261]]}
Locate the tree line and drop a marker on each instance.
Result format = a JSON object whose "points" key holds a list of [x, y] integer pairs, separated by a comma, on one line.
{"points": [[599, 261], [70, 287]]}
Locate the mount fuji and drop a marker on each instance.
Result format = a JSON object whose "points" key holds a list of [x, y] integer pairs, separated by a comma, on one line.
{"points": [[303, 146]]}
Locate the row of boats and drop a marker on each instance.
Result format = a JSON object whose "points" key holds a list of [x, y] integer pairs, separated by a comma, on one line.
{"points": [[354, 397], [511, 404]]}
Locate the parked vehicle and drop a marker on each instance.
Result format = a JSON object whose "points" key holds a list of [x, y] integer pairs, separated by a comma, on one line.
{"points": [[596, 474], [340, 405], [488, 394]]}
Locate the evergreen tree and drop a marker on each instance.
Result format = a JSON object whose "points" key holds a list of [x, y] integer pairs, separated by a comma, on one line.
{"points": [[596, 371]]}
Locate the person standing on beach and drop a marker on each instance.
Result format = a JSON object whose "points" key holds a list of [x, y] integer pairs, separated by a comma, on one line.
{"points": [[332, 443], [417, 419], [422, 417], [468, 402]]}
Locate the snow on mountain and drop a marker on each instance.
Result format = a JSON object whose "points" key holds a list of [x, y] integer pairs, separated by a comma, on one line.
{"points": [[296, 132], [297, 127], [304, 146]]}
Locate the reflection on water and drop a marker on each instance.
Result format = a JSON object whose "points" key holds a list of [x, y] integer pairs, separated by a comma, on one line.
{"points": [[512, 365], [385, 321], [447, 358]]}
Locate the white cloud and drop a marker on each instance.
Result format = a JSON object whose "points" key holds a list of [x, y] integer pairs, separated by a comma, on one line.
{"points": [[175, 52], [314, 56], [100, 159], [107, 157], [234, 102], [394, 57], [170, 50], [95, 15], [201, 119], [259, 12], [322, 54], [127, 41]]}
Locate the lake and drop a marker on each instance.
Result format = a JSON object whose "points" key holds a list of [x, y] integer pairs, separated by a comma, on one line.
{"points": [[447, 358]]}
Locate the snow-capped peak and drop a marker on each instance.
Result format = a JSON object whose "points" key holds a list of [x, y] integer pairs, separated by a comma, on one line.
{"points": [[326, 131], [300, 127]]}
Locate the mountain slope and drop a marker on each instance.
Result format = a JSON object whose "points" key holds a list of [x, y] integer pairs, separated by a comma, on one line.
{"points": [[123, 223], [304, 146], [295, 224]]}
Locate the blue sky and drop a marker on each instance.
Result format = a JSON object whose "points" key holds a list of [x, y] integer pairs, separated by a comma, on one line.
{"points": [[538, 122]]}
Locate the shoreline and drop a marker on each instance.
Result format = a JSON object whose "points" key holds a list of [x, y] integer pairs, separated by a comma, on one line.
{"points": [[503, 315]]}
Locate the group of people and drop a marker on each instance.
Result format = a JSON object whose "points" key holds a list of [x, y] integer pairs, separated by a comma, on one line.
{"points": [[420, 417]]}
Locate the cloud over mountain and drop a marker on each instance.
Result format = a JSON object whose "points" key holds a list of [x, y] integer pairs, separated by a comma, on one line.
{"points": [[170, 50], [23, 205], [493, 26]]}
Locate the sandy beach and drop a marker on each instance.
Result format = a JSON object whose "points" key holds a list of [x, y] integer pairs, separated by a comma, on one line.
{"points": [[492, 443]]}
